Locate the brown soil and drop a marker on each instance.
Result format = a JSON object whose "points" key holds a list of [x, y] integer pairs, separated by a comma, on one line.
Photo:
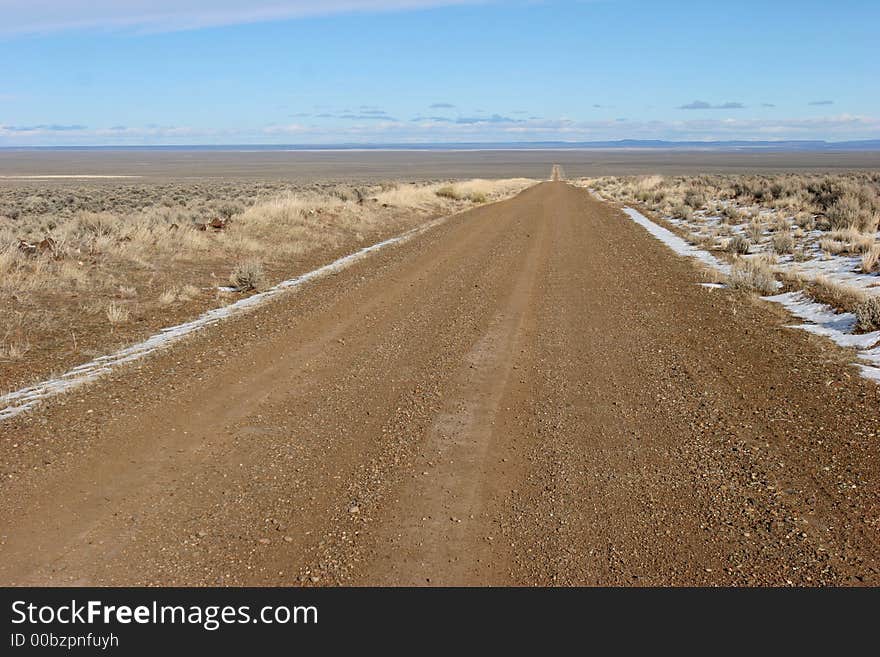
{"points": [[534, 392]]}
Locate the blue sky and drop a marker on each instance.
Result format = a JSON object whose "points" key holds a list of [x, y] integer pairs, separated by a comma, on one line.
{"points": [[378, 71]]}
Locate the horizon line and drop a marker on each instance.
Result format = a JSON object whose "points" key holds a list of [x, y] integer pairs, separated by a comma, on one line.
{"points": [[655, 144]]}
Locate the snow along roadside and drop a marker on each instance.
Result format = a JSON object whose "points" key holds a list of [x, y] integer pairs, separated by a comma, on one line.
{"points": [[820, 318], [17, 402]]}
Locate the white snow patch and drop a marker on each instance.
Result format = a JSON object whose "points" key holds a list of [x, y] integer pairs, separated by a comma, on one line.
{"points": [[824, 321], [677, 244], [872, 356], [22, 400]]}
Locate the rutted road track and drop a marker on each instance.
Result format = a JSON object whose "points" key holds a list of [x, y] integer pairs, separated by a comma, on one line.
{"points": [[535, 392]]}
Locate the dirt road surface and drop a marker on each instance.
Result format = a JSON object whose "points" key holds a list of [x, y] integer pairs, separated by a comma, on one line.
{"points": [[534, 392]]}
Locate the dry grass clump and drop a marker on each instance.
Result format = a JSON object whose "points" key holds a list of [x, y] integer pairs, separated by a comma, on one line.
{"points": [[648, 189], [117, 314], [755, 230], [825, 290], [871, 259], [805, 220], [853, 240], [855, 206], [752, 275], [832, 246], [248, 275], [783, 242], [710, 274], [683, 211], [868, 314], [174, 294], [168, 296], [847, 241], [730, 214], [15, 350], [739, 245]]}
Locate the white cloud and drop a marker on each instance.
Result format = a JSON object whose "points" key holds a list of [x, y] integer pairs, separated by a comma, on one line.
{"points": [[289, 129], [36, 16]]}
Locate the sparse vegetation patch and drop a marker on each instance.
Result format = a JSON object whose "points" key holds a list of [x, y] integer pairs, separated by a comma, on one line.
{"points": [[820, 230]]}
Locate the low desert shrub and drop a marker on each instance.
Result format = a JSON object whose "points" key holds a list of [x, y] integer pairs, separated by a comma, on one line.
{"points": [[448, 191], [825, 290], [731, 214], [858, 209], [752, 275], [168, 296], [14, 350], [682, 211], [868, 314], [117, 314], [755, 230], [855, 240], [738, 245], [189, 292], [783, 242], [832, 246], [248, 275], [870, 259]]}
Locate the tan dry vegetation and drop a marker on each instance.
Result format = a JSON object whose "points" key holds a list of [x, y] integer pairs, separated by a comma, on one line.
{"points": [[868, 314], [821, 288], [833, 202], [87, 268], [870, 259], [752, 275]]}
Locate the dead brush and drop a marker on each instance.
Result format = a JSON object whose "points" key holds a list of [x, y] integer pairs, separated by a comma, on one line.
{"points": [[753, 275], [738, 245], [14, 344], [731, 214], [448, 191], [711, 274], [783, 242], [116, 313], [853, 240], [14, 350], [868, 314], [682, 211], [248, 275], [841, 297], [755, 230], [870, 259], [832, 246]]}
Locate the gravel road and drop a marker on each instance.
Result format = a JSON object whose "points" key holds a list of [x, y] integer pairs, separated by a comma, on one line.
{"points": [[535, 392]]}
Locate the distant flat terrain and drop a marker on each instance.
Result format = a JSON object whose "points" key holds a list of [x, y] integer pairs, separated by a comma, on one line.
{"points": [[408, 165]]}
